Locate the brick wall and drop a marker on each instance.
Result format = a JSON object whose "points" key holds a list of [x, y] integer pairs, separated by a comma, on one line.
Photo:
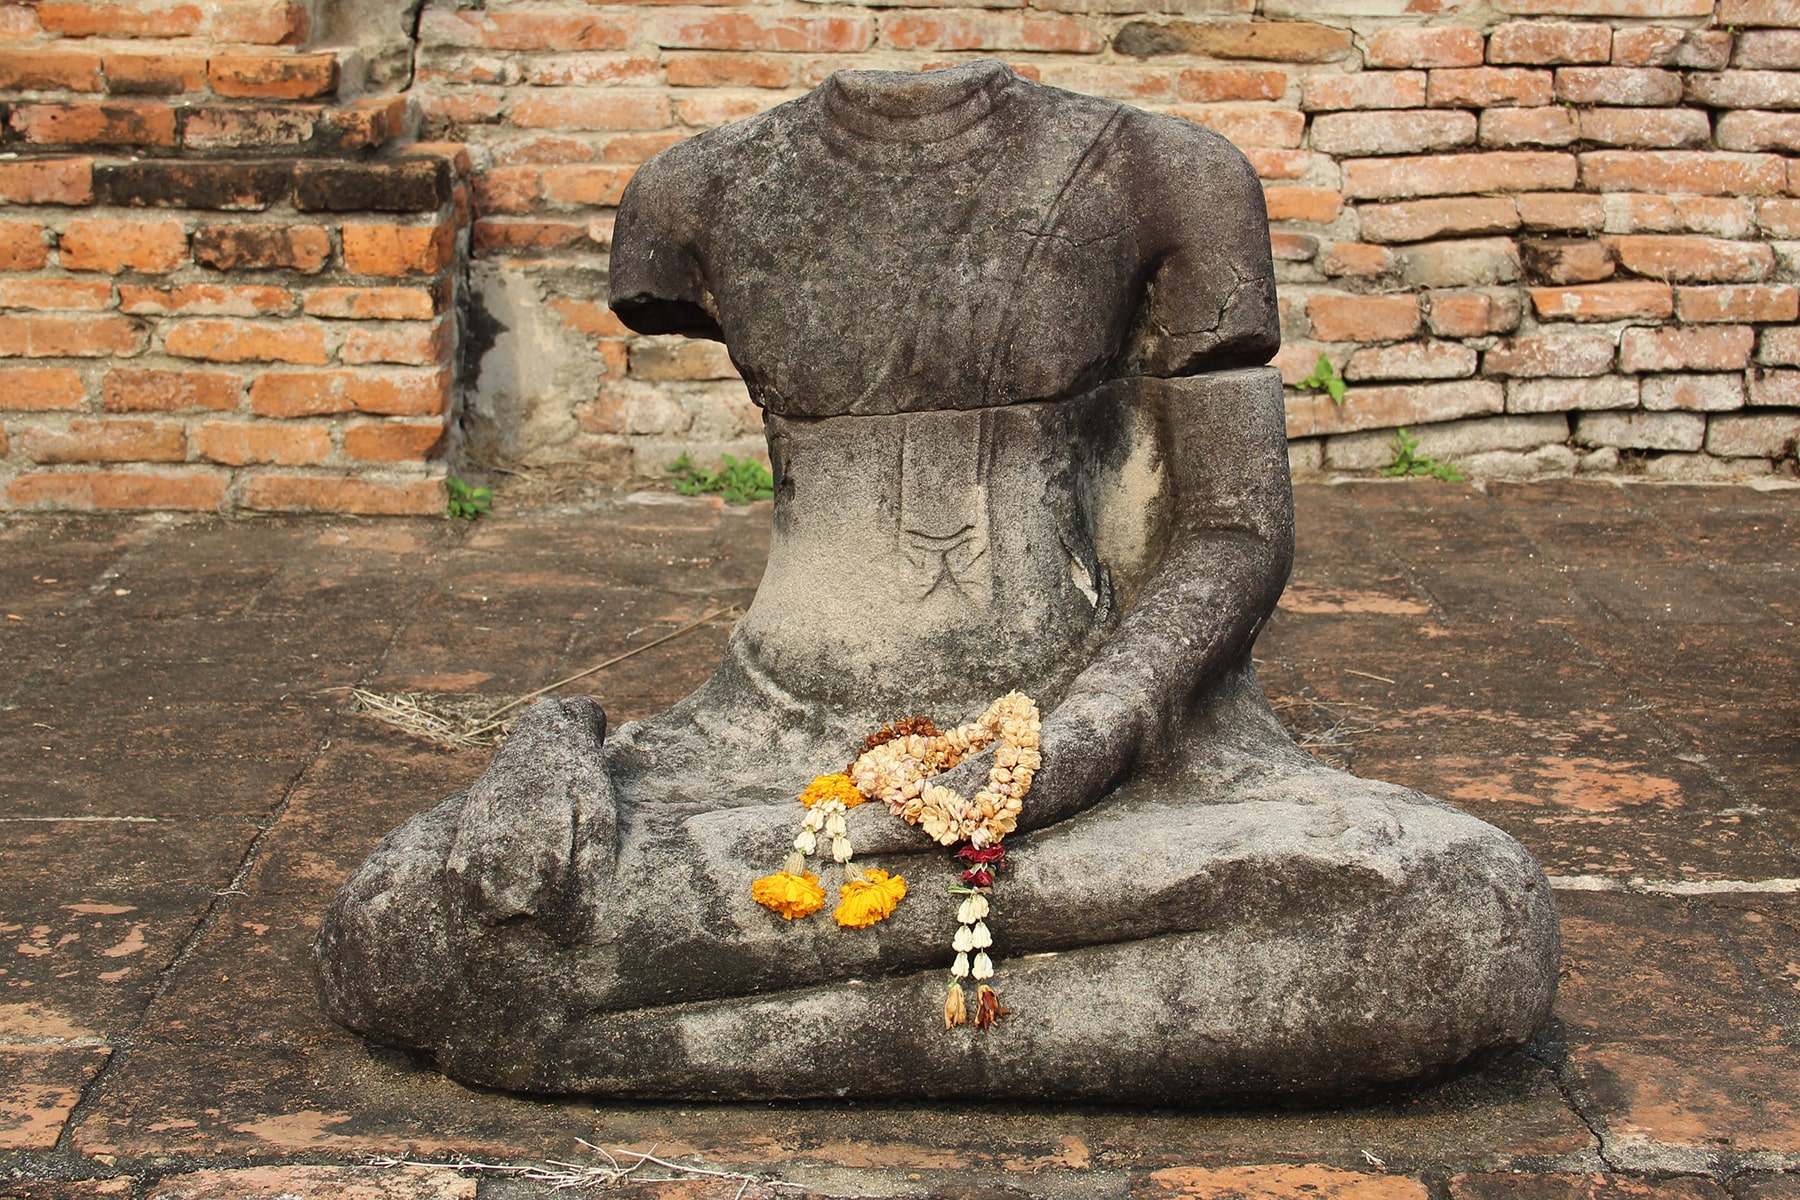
{"points": [[1544, 235]]}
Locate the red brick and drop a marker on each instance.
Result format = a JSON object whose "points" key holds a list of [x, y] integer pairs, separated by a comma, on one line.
{"points": [[1269, 41], [755, 31], [392, 441], [68, 295], [1760, 131], [1604, 301], [1424, 47], [114, 246], [1674, 348], [23, 246], [1417, 220], [575, 108], [1540, 43], [1774, 389], [47, 181], [501, 236], [1758, 12], [1718, 215], [1458, 264], [1485, 87], [1363, 318], [1567, 260], [1694, 259], [1317, 205], [1561, 211], [1554, 395], [1692, 393], [1641, 87], [1664, 46], [1745, 89], [589, 317], [989, 31], [154, 74], [1650, 128], [192, 491], [511, 189], [367, 497], [273, 76], [169, 391], [1312, 414], [253, 443], [372, 303], [585, 185], [246, 341], [573, 70], [260, 22], [19, 24], [71, 337], [1243, 125], [465, 106], [303, 248], [1359, 134], [95, 123], [708, 109], [398, 249], [1552, 125], [1752, 435], [1355, 260], [50, 70], [729, 70], [1565, 355], [1411, 360], [1458, 174], [1771, 302], [1607, 8], [99, 18], [1779, 345], [39, 389], [1693, 172], [1473, 313], [1777, 49], [205, 299], [1779, 217], [1229, 83], [1293, 247], [379, 393], [287, 128], [1365, 89], [85, 441], [528, 30], [639, 147], [410, 345], [1269, 163]]}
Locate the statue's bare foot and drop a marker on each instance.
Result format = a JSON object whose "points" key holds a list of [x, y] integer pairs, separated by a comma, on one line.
{"points": [[537, 829]]}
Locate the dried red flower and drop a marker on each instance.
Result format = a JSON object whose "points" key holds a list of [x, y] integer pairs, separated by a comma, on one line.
{"points": [[988, 1008], [979, 877], [993, 854]]}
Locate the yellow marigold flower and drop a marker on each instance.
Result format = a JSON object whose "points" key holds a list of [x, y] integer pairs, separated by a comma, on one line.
{"points": [[832, 787], [790, 895], [864, 902]]}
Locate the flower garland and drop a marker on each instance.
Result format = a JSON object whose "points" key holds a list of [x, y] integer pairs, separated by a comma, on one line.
{"points": [[896, 762]]}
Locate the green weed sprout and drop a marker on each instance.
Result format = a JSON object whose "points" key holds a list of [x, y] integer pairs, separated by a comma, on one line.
{"points": [[738, 480], [467, 503], [1409, 462], [1324, 378]]}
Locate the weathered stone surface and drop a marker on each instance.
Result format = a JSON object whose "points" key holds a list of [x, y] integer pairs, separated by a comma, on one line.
{"points": [[1040, 473]]}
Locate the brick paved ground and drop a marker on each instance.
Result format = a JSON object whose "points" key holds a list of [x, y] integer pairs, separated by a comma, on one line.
{"points": [[1608, 672]]}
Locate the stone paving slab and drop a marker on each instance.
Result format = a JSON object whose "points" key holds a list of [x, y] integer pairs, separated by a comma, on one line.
{"points": [[1608, 672]]}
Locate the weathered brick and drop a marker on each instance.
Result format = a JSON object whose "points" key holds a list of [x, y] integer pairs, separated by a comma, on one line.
{"points": [[1779, 345], [372, 303], [114, 246], [34, 336], [303, 248], [1752, 435], [1660, 128], [95, 123], [1569, 355], [1317, 205], [23, 246], [1606, 8], [1721, 216], [1760, 131], [246, 341], [1691, 259], [1768, 49], [1486, 87], [989, 31], [1458, 263], [1414, 46], [771, 32], [729, 70], [68, 295], [191, 490], [1641, 430], [525, 29], [261, 22], [206, 299], [1567, 260], [1292, 247], [577, 108], [1355, 259], [1553, 125], [1419, 220], [585, 184], [273, 76], [1675, 348], [398, 249], [1411, 360], [1571, 395], [107, 19], [501, 236], [1692, 393], [1561, 211], [1363, 318], [1364, 89], [226, 186], [1458, 174], [1541, 43], [1642, 87], [1669, 46], [392, 441], [87, 441], [44, 69], [1745, 89], [1757, 13], [254, 443], [1248, 126], [1694, 172], [330, 493], [1358, 134], [1771, 302], [39, 389], [706, 110], [1311, 414], [169, 391], [1454, 442], [1604, 301], [410, 344], [1473, 313], [379, 393], [155, 74], [1215, 84], [1779, 217], [416, 185], [1279, 164], [1774, 389], [1270, 41], [47, 181]]}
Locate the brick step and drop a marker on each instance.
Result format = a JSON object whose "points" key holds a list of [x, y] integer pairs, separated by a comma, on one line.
{"points": [[189, 68], [207, 129]]}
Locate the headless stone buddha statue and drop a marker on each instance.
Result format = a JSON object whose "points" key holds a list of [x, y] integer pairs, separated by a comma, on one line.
{"points": [[1010, 345]]}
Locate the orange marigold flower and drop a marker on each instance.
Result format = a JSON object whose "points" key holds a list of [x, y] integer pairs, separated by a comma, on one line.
{"points": [[790, 895], [832, 787], [863, 902]]}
